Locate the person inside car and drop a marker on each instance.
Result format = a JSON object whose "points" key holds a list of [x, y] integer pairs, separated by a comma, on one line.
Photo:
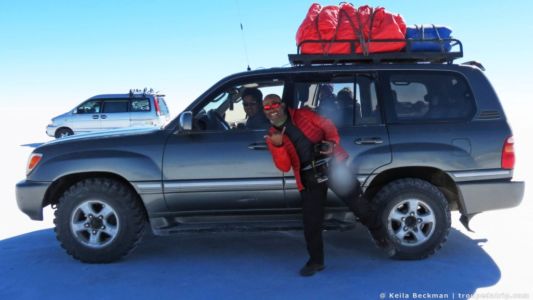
{"points": [[251, 101]]}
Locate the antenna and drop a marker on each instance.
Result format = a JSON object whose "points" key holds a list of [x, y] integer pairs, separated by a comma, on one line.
{"points": [[243, 36]]}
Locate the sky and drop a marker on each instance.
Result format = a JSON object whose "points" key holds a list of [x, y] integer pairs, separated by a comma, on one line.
{"points": [[55, 54]]}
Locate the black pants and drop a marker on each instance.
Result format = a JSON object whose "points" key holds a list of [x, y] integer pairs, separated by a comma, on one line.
{"points": [[313, 201]]}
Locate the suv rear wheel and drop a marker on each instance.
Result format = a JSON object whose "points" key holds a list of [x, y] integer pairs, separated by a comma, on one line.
{"points": [[99, 220], [414, 217]]}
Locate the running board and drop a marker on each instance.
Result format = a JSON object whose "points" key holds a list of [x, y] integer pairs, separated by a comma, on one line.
{"points": [[170, 226]]}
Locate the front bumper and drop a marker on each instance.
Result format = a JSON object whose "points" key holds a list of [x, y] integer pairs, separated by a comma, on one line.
{"points": [[483, 196], [30, 196], [51, 130]]}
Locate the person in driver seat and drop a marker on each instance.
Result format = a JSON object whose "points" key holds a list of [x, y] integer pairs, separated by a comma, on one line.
{"points": [[252, 101]]}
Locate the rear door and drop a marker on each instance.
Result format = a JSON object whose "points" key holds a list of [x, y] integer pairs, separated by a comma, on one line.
{"points": [[351, 102], [115, 114]]}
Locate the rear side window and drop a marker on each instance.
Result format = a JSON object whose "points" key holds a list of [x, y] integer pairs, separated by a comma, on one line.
{"points": [[140, 105], [162, 105], [115, 106], [346, 100], [428, 96]]}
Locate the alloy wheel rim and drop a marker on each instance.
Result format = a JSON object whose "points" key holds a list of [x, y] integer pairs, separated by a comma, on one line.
{"points": [[94, 223], [411, 222]]}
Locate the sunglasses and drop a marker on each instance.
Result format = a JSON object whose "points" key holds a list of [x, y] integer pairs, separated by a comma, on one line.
{"points": [[273, 105], [249, 103]]}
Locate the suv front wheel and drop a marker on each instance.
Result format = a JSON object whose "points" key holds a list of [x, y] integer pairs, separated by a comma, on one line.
{"points": [[414, 217], [99, 220]]}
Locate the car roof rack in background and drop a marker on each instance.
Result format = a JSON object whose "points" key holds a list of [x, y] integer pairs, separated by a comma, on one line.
{"points": [[444, 51], [143, 92]]}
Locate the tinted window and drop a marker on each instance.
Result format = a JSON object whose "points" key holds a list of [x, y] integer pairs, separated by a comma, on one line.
{"points": [[89, 107], [141, 104], [429, 96], [345, 101], [115, 106]]}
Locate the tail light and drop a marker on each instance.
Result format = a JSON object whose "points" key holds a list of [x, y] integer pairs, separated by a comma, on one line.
{"points": [[33, 161], [156, 103], [508, 156]]}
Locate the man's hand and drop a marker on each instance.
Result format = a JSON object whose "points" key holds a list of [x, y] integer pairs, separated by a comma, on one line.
{"points": [[276, 138], [330, 146]]}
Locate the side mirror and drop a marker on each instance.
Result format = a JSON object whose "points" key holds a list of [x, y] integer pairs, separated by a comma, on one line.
{"points": [[75, 111], [185, 121]]}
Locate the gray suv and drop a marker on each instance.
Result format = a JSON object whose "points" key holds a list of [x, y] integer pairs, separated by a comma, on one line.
{"points": [[138, 108], [424, 139]]}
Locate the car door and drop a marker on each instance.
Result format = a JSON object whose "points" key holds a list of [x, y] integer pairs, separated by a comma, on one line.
{"points": [[115, 114], [220, 165], [350, 101], [86, 116]]}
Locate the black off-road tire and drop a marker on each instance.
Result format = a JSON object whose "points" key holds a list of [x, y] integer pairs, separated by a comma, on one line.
{"points": [[121, 214], [393, 203]]}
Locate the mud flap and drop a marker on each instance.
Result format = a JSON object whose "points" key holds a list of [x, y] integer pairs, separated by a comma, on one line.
{"points": [[465, 220]]}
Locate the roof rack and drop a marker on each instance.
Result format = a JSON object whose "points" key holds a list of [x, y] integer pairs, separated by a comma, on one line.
{"points": [[445, 51], [143, 92]]}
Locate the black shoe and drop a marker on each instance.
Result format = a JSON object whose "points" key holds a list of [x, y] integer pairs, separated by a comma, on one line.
{"points": [[311, 268]]}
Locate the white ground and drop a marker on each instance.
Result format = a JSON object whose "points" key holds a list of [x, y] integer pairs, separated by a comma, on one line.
{"points": [[493, 263]]}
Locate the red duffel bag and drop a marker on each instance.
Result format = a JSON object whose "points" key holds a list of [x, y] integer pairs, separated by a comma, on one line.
{"points": [[328, 26]]}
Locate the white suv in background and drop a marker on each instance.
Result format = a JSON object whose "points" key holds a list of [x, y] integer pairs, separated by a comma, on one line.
{"points": [[138, 108]]}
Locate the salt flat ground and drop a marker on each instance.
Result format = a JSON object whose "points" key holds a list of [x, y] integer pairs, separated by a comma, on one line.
{"points": [[495, 261]]}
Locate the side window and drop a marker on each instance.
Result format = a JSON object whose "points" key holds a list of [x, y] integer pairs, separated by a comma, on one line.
{"points": [[238, 107], [346, 101], [425, 96], [116, 106], [140, 105], [162, 105], [331, 99], [89, 107]]}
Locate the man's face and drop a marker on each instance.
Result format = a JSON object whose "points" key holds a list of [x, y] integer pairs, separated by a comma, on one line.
{"points": [[274, 110], [251, 107]]}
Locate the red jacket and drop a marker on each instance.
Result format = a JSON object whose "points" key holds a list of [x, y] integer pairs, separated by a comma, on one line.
{"points": [[316, 128]]}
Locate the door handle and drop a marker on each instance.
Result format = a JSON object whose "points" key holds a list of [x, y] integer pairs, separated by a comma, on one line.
{"points": [[258, 146], [95, 116], [368, 141], [103, 116]]}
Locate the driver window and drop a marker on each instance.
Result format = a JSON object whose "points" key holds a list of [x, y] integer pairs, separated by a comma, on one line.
{"points": [[238, 107]]}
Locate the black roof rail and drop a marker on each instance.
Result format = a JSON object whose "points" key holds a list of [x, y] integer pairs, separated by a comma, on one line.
{"points": [[475, 64], [448, 51]]}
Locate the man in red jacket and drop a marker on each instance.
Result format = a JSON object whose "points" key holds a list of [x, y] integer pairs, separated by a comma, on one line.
{"points": [[292, 140]]}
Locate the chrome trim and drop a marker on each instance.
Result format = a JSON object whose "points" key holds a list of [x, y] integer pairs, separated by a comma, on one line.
{"points": [[147, 188], [291, 184], [222, 185], [476, 174]]}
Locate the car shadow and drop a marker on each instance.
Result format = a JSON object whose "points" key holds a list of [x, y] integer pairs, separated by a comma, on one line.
{"points": [[246, 265]]}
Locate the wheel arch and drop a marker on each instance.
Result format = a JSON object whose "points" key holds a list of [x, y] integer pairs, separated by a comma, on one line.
{"points": [[63, 127], [435, 176], [59, 186]]}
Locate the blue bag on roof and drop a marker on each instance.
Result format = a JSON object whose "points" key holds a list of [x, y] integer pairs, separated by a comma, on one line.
{"points": [[429, 33]]}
